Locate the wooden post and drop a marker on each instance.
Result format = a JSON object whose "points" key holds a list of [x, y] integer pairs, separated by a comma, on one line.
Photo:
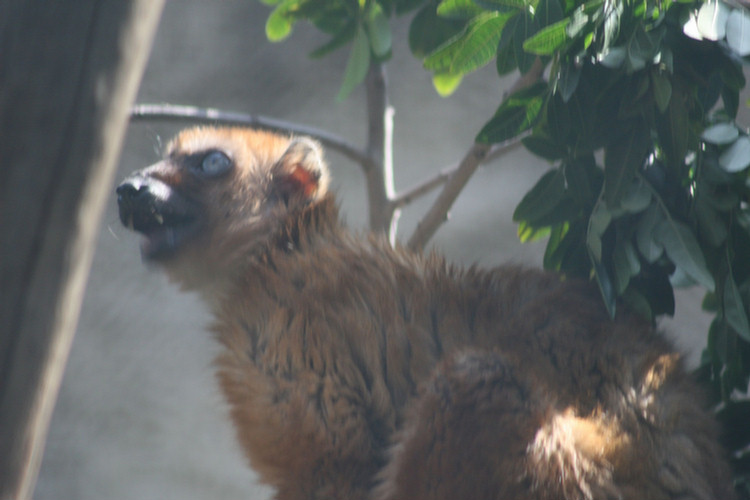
{"points": [[69, 72]]}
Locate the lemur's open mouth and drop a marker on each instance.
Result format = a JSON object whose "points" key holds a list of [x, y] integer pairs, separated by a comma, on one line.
{"points": [[151, 208]]}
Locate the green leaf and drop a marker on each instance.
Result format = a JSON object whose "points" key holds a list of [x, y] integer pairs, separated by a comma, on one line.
{"points": [[548, 12], [646, 240], [575, 123], [555, 240], [732, 74], [643, 47], [738, 32], [480, 43], [683, 250], [428, 31], [328, 17], [568, 77], [543, 198], [458, 9], [734, 309], [584, 179], [499, 4], [626, 264], [528, 233], [737, 157], [470, 49], [674, 128], [525, 27], [662, 90], [442, 57], [712, 227], [446, 83], [378, 30], [710, 302], [516, 114], [544, 146], [733, 418], [711, 22], [613, 57], [548, 40], [721, 133], [279, 23], [622, 158], [578, 21], [611, 26], [636, 198], [338, 40], [357, 65], [568, 253], [505, 61], [731, 99], [598, 223]]}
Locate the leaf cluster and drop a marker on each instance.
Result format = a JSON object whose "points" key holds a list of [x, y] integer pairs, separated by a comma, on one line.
{"points": [[649, 181]]}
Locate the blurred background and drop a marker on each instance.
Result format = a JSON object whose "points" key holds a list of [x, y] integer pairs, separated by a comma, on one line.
{"points": [[139, 415]]}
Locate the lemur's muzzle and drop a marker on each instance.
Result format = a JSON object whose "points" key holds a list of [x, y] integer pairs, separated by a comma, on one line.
{"points": [[152, 208]]}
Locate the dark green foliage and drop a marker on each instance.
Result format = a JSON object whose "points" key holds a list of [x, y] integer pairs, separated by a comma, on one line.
{"points": [[628, 87]]}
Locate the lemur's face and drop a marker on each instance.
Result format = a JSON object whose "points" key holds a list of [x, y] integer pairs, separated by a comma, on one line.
{"points": [[218, 191]]}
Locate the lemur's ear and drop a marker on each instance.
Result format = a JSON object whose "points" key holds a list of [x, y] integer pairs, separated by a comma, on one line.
{"points": [[301, 173]]}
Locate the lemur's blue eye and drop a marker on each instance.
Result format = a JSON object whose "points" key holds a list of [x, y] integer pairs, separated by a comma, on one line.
{"points": [[215, 163]]}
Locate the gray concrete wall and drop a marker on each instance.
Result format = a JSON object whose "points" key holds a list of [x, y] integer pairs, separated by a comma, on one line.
{"points": [[139, 416]]}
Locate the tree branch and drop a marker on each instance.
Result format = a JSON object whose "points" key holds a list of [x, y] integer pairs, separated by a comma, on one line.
{"points": [[379, 174], [425, 187], [477, 154], [439, 211], [193, 114]]}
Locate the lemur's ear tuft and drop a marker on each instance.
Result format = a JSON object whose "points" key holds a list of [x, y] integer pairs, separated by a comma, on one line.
{"points": [[301, 173]]}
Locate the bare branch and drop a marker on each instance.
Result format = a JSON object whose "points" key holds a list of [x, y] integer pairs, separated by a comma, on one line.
{"points": [[176, 112], [439, 210], [477, 154], [425, 187], [379, 174]]}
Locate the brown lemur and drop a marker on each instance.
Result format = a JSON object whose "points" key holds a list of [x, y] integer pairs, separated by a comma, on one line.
{"points": [[355, 370]]}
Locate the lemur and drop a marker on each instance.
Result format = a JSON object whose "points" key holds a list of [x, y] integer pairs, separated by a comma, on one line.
{"points": [[355, 370]]}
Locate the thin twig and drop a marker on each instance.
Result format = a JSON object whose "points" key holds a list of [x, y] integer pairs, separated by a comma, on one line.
{"points": [[425, 187], [176, 112], [438, 213]]}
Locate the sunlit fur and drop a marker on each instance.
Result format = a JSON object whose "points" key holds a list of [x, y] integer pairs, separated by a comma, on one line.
{"points": [[355, 370]]}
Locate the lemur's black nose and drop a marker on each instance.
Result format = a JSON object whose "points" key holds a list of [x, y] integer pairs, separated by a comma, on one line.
{"points": [[130, 189], [147, 203], [135, 202]]}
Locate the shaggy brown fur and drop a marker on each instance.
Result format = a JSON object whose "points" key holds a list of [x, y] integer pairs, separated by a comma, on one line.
{"points": [[355, 370]]}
